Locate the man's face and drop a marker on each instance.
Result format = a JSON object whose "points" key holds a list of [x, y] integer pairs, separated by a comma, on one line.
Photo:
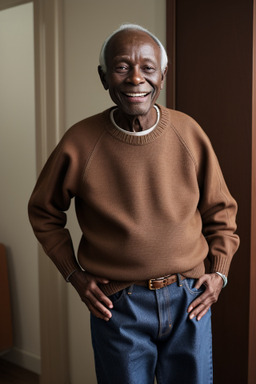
{"points": [[134, 77]]}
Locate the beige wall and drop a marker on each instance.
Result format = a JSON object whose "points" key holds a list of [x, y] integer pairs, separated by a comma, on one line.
{"points": [[18, 174], [87, 24]]}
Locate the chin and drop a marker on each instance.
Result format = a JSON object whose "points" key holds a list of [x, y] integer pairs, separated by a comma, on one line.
{"points": [[136, 110]]}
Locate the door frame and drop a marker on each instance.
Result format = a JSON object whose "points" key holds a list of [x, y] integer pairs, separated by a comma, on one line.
{"points": [[49, 105], [252, 314], [49, 69]]}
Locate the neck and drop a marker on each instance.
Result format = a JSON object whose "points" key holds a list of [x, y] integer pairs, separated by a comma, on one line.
{"points": [[135, 123]]}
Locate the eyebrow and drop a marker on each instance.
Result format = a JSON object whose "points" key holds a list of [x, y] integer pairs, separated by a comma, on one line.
{"points": [[118, 59]]}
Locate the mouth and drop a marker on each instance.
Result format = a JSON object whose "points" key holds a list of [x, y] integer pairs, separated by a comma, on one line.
{"points": [[137, 94], [136, 97]]}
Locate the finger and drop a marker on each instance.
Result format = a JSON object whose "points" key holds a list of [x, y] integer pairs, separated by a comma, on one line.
{"points": [[102, 297], [102, 310], [201, 314], [101, 280], [96, 302], [96, 279], [202, 299], [199, 308], [208, 297], [198, 311], [97, 313], [93, 292], [201, 281], [97, 309], [198, 284]]}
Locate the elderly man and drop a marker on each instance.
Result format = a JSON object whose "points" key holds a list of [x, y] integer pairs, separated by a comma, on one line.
{"points": [[152, 205]]}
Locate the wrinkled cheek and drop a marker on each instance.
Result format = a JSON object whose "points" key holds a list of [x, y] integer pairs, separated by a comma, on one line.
{"points": [[155, 94], [115, 97]]}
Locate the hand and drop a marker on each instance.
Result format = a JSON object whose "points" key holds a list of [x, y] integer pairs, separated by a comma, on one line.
{"points": [[199, 307], [87, 287]]}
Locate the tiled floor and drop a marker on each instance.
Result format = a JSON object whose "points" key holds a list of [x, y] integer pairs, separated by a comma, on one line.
{"points": [[12, 374]]}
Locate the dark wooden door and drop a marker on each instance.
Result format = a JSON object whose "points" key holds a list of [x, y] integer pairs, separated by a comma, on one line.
{"points": [[212, 78]]}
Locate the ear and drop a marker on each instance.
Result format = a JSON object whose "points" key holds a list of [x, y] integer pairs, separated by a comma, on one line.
{"points": [[103, 77], [163, 77]]}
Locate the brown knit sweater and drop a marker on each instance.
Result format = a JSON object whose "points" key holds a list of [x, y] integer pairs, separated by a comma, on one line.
{"points": [[148, 206]]}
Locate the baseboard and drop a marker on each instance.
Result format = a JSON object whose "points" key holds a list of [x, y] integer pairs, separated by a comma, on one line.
{"points": [[23, 359]]}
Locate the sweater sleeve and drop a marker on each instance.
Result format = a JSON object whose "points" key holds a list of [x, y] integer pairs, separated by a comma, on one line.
{"points": [[218, 210], [50, 199], [217, 207]]}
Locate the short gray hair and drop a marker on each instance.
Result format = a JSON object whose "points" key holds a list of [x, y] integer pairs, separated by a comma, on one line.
{"points": [[123, 27]]}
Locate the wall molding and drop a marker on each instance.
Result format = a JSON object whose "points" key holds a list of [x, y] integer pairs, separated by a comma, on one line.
{"points": [[5, 4], [24, 359], [49, 74], [171, 52]]}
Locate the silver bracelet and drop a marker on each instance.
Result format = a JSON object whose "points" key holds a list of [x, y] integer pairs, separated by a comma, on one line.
{"points": [[67, 279], [224, 278]]}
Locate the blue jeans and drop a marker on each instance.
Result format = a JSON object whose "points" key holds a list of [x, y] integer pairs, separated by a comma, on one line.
{"points": [[151, 335]]}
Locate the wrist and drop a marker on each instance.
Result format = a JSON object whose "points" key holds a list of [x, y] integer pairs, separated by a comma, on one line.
{"points": [[70, 275], [224, 279]]}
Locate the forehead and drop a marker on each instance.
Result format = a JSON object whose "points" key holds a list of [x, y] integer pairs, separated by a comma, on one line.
{"points": [[133, 42]]}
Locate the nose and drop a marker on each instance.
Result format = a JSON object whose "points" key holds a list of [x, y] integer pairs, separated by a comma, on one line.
{"points": [[135, 76]]}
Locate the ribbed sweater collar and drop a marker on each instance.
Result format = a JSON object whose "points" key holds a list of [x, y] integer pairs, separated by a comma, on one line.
{"points": [[137, 140]]}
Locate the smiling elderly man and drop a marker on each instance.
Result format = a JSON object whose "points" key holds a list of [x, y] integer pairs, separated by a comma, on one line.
{"points": [[152, 205]]}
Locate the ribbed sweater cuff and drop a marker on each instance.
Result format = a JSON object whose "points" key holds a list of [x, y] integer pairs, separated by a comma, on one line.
{"points": [[66, 266], [220, 264]]}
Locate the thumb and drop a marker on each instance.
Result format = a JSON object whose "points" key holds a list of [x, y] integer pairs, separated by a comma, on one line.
{"points": [[102, 280], [200, 282]]}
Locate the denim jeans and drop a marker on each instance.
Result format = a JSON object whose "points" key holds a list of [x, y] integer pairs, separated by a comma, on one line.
{"points": [[150, 334]]}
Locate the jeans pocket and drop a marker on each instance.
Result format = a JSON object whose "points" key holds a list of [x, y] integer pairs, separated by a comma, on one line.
{"points": [[190, 287], [118, 296]]}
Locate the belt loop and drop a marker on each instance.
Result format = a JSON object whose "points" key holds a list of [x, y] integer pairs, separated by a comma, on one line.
{"points": [[179, 280], [129, 290]]}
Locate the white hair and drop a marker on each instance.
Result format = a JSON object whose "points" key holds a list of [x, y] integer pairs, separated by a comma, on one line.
{"points": [[123, 27]]}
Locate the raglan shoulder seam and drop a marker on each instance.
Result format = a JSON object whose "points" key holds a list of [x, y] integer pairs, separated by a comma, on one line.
{"points": [[89, 158], [185, 145]]}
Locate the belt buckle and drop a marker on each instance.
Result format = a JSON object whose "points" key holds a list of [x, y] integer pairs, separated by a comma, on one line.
{"points": [[160, 279]]}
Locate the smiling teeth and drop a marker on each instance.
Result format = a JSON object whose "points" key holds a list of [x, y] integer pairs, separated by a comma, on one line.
{"points": [[136, 94]]}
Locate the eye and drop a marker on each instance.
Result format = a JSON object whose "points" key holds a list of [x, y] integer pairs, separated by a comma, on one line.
{"points": [[122, 68], [149, 69]]}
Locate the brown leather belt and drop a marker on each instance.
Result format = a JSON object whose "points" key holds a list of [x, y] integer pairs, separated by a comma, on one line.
{"points": [[159, 282]]}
